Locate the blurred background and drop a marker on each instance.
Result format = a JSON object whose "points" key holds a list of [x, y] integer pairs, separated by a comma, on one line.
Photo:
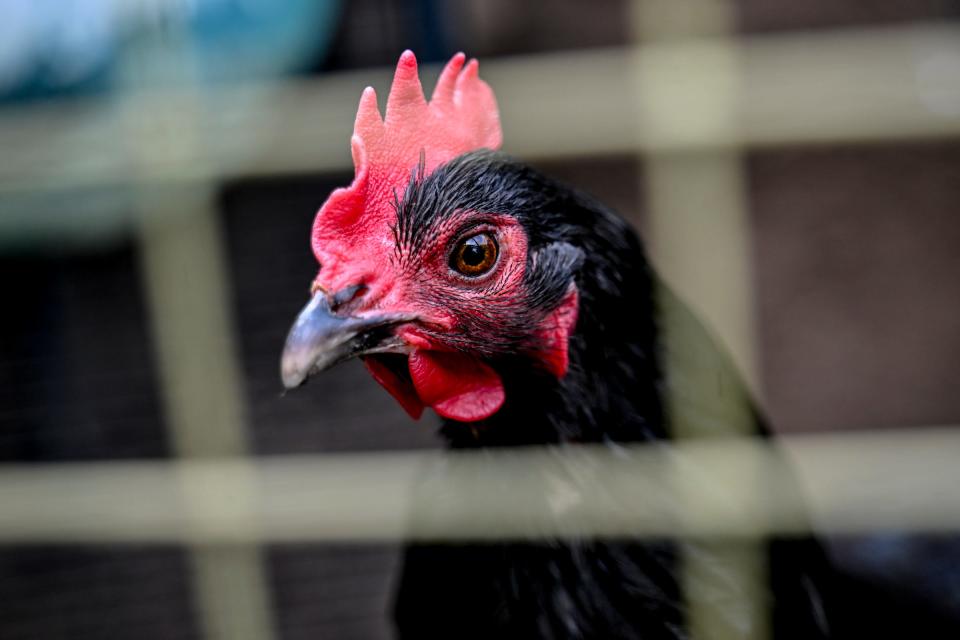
{"points": [[794, 168]]}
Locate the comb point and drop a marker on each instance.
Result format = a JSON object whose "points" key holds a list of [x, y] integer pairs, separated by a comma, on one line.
{"points": [[447, 81], [407, 59], [368, 118], [406, 93], [472, 70]]}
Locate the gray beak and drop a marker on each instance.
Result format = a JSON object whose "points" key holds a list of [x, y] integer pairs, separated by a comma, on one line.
{"points": [[320, 339]]}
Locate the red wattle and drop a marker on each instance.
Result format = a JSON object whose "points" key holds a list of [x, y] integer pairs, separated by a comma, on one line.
{"points": [[457, 386], [397, 386]]}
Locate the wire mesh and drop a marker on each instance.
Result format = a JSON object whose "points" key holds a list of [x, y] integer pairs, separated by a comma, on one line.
{"points": [[689, 98]]}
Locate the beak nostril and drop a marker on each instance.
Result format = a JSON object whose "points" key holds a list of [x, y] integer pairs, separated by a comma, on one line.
{"points": [[345, 295]]}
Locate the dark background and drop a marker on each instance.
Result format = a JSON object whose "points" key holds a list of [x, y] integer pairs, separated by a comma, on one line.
{"points": [[856, 259]]}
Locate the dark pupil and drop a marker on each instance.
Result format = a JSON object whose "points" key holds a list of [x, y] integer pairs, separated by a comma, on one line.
{"points": [[474, 252]]}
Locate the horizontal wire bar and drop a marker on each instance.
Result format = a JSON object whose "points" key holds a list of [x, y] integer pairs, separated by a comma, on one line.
{"points": [[839, 483], [801, 87]]}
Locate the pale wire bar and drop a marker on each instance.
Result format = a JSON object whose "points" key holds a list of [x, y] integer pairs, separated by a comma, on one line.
{"points": [[186, 289], [187, 294], [166, 149], [699, 241], [828, 484], [830, 86]]}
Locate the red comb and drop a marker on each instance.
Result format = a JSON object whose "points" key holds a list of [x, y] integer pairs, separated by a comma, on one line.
{"points": [[460, 117]]}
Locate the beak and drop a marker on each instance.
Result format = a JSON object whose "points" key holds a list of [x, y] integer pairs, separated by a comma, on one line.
{"points": [[320, 339]]}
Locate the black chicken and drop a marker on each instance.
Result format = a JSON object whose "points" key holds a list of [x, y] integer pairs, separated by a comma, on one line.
{"points": [[524, 313]]}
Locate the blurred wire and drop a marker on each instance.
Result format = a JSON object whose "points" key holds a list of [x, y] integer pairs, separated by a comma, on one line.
{"points": [[700, 97], [800, 88], [902, 481]]}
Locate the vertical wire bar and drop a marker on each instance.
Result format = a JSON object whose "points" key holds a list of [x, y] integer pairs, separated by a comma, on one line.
{"points": [[183, 270], [699, 241]]}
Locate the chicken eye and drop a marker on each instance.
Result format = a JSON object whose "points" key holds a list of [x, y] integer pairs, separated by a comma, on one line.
{"points": [[475, 255]]}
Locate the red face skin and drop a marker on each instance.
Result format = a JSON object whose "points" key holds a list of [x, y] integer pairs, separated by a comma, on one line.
{"points": [[456, 384], [354, 241]]}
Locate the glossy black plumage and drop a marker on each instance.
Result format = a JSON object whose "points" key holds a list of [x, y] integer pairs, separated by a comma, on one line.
{"points": [[614, 392]]}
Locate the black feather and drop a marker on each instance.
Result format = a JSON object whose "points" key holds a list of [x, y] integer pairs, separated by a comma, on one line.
{"points": [[614, 392]]}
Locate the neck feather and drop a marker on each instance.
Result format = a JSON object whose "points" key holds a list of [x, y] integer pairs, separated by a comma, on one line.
{"points": [[611, 392]]}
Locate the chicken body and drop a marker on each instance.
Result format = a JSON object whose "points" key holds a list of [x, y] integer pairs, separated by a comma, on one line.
{"points": [[612, 394], [525, 314]]}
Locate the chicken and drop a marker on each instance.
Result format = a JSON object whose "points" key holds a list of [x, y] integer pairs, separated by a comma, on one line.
{"points": [[523, 313]]}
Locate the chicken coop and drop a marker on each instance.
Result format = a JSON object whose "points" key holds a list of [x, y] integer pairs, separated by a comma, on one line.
{"points": [[793, 170]]}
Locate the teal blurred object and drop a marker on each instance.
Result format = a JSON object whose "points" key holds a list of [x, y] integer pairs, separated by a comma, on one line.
{"points": [[248, 39], [74, 46]]}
